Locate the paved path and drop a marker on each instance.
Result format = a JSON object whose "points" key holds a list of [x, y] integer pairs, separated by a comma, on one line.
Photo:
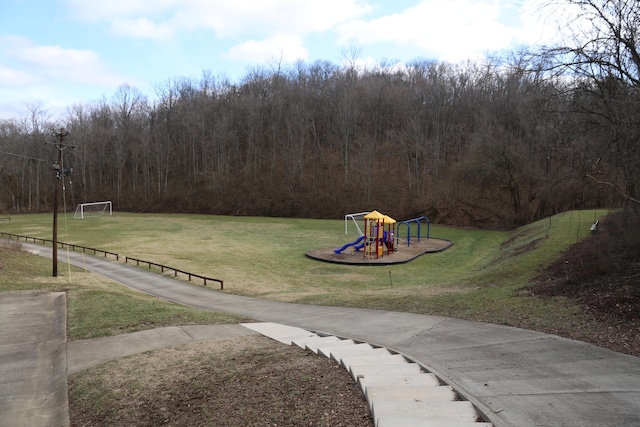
{"points": [[515, 377], [33, 363]]}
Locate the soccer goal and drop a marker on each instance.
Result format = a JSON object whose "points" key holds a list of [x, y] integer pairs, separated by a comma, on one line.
{"points": [[354, 217], [85, 210]]}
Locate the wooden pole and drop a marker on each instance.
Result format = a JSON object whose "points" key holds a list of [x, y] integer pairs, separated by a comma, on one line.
{"points": [[59, 174]]}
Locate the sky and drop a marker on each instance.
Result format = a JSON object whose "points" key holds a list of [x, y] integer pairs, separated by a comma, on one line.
{"points": [[59, 53]]}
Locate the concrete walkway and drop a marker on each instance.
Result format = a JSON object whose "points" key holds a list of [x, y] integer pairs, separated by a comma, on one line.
{"points": [[33, 363], [515, 377]]}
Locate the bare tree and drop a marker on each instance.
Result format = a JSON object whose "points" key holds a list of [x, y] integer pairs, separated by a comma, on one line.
{"points": [[600, 54]]}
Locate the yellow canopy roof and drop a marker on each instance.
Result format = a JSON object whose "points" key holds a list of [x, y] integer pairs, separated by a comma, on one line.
{"points": [[374, 215], [377, 215]]}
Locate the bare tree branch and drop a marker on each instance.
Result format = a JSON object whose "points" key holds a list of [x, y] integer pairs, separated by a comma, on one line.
{"points": [[610, 184]]}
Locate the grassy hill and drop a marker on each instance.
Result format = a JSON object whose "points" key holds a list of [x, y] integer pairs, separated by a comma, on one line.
{"points": [[486, 275], [533, 277]]}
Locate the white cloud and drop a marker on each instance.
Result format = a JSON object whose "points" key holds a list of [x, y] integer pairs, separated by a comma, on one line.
{"points": [[49, 75], [11, 77], [45, 62], [142, 28], [99, 11], [549, 24], [226, 18], [260, 17], [449, 29], [288, 48]]}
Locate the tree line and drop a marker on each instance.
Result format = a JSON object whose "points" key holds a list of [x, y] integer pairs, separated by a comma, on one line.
{"points": [[487, 143]]}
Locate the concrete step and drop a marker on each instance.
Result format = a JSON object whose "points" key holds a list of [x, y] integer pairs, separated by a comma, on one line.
{"points": [[402, 368], [282, 333], [418, 422], [399, 392], [461, 411], [379, 360], [312, 343], [328, 350], [356, 350], [316, 348], [411, 393], [422, 380]]}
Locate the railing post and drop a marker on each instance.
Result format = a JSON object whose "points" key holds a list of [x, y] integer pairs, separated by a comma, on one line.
{"points": [[117, 256]]}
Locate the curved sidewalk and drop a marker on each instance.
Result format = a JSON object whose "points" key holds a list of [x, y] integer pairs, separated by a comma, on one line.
{"points": [[515, 377]]}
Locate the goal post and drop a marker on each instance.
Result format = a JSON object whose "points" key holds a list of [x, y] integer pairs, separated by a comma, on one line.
{"points": [[354, 217], [85, 210]]}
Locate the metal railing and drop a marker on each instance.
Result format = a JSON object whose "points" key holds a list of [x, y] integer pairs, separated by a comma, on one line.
{"points": [[95, 251], [175, 270], [62, 245]]}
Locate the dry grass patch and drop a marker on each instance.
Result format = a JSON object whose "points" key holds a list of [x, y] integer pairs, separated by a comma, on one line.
{"points": [[246, 381]]}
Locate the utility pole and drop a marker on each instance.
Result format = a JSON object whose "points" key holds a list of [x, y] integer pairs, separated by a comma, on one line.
{"points": [[60, 172]]}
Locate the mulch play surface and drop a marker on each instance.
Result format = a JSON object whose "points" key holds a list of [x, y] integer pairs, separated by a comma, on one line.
{"points": [[403, 253]]}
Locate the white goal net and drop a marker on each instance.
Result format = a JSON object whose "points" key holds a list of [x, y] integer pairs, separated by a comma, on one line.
{"points": [[86, 210], [355, 217]]}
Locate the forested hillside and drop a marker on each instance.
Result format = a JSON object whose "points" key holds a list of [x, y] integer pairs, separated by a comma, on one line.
{"points": [[484, 143]]}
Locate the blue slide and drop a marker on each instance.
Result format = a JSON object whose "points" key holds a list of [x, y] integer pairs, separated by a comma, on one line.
{"points": [[349, 244]]}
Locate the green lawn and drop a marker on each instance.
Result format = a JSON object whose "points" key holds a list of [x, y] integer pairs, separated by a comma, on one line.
{"points": [[96, 306], [481, 277]]}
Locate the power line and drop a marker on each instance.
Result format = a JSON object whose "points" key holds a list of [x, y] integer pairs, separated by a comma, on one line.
{"points": [[23, 156]]}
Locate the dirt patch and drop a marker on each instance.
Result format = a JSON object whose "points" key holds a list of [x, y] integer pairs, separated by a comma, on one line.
{"points": [[602, 275], [403, 253], [247, 381], [528, 247]]}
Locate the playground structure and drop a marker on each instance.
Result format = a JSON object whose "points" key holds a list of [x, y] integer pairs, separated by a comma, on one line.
{"points": [[374, 222], [379, 233], [379, 241], [418, 221]]}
